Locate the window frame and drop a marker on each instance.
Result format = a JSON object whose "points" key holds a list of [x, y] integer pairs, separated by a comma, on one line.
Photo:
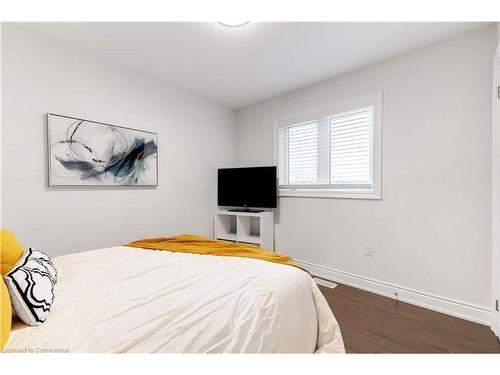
{"points": [[328, 191]]}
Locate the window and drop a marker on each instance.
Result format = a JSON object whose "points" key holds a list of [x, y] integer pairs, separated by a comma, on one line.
{"points": [[332, 153]]}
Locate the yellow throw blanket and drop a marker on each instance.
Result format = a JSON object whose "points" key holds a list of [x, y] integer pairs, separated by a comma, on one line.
{"points": [[188, 243]]}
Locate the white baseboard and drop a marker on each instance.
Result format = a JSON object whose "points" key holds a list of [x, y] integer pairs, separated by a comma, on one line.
{"points": [[460, 309]]}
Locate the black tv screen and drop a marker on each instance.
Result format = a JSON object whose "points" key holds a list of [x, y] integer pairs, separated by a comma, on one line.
{"points": [[247, 187]]}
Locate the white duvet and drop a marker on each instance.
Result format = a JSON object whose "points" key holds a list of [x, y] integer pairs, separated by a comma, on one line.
{"points": [[124, 299]]}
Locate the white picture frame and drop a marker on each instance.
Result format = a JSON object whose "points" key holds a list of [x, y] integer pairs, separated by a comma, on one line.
{"points": [[84, 152]]}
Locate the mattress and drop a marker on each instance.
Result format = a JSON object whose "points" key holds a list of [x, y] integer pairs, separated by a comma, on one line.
{"points": [[123, 299]]}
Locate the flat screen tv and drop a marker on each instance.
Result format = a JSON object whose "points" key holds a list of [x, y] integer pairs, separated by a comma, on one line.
{"points": [[247, 187]]}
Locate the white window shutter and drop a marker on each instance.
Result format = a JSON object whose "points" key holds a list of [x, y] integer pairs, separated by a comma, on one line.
{"points": [[283, 156], [303, 154], [351, 147], [331, 151]]}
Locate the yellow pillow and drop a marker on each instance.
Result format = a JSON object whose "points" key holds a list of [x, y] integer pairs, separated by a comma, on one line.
{"points": [[5, 314], [10, 251]]}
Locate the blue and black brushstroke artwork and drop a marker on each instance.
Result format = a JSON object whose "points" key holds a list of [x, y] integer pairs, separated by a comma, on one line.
{"points": [[90, 153]]}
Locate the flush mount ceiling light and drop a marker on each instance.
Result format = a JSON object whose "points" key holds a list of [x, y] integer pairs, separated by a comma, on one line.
{"points": [[234, 24]]}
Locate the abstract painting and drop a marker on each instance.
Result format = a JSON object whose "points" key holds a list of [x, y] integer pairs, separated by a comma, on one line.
{"points": [[84, 152]]}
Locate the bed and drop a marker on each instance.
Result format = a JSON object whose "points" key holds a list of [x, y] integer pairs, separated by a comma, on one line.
{"points": [[125, 299]]}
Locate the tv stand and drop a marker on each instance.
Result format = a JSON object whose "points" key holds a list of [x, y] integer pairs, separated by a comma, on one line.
{"points": [[253, 210], [245, 226]]}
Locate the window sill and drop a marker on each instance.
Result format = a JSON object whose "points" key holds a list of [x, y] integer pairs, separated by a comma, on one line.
{"points": [[333, 194]]}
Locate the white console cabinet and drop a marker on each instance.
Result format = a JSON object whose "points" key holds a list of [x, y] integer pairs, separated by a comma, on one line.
{"points": [[248, 227]]}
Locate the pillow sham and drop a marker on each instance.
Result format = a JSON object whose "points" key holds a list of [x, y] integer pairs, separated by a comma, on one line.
{"points": [[5, 314], [31, 287], [10, 251]]}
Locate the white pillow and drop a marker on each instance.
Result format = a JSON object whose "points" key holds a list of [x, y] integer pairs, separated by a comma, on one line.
{"points": [[31, 287]]}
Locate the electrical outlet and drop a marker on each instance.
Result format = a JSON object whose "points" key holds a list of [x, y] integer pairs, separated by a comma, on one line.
{"points": [[369, 249]]}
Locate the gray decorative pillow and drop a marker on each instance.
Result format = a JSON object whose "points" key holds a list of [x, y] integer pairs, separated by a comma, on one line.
{"points": [[31, 287]]}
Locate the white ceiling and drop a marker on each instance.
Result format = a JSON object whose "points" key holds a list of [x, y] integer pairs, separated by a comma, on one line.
{"points": [[242, 66]]}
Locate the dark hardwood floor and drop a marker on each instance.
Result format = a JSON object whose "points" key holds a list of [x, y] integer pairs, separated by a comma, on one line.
{"points": [[374, 324]]}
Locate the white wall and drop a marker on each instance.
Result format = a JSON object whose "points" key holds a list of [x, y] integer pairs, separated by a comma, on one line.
{"points": [[432, 228], [41, 75]]}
